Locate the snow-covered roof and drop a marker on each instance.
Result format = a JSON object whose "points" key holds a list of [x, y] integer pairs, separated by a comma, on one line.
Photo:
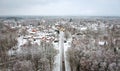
{"points": [[102, 42]]}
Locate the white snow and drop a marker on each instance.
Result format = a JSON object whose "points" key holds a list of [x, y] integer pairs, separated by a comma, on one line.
{"points": [[11, 52], [66, 46], [101, 42], [21, 41], [83, 28], [62, 48], [57, 61]]}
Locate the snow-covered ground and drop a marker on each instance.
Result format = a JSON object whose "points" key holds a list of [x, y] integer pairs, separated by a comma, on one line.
{"points": [[21, 41]]}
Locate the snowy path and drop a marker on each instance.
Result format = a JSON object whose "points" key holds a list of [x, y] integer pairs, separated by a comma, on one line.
{"points": [[58, 58], [61, 63], [61, 46], [66, 46]]}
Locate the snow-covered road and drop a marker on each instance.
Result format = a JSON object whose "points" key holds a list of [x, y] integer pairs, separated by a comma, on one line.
{"points": [[61, 56], [58, 57], [66, 46], [61, 46]]}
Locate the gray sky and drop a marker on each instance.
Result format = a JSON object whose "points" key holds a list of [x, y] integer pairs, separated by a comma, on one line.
{"points": [[60, 7]]}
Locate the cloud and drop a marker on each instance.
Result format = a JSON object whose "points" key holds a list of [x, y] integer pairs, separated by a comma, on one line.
{"points": [[60, 7], [12, 4]]}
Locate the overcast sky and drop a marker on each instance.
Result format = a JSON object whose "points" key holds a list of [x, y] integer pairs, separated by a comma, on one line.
{"points": [[60, 7]]}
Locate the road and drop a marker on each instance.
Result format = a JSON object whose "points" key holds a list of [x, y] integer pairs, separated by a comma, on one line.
{"points": [[61, 63], [61, 46]]}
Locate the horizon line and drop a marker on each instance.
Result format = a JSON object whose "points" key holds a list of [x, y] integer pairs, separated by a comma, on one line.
{"points": [[63, 15]]}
